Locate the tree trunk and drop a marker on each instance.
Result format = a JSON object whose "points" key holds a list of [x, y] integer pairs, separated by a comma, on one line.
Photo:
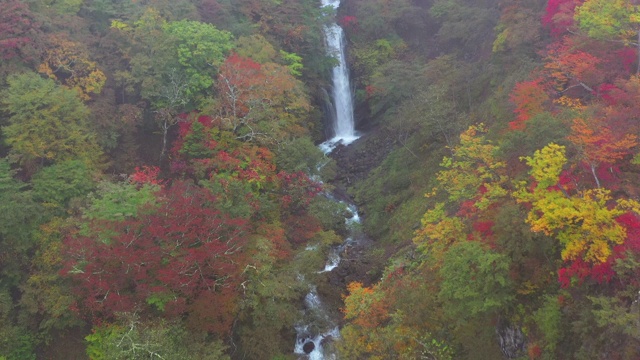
{"points": [[593, 171], [638, 53]]}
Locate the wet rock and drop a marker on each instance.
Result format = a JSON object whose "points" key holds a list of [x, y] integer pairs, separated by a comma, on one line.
{"points": [[365, 154], [512, 340], [308, 347]]}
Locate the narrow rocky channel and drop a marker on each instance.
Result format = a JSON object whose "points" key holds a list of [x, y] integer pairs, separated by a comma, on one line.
{"points": [[320, 324]]}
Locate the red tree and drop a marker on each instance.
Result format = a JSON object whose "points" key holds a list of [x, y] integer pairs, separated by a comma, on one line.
{"points": [[529, 97], [558, 16], [17, 28], [170, 258]]}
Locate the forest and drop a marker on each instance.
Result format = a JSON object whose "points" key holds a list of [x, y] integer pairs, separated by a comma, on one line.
{"points": [[163, 194]]}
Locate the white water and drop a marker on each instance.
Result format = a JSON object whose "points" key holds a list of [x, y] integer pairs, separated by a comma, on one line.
{"points": [[333, 259], [312, 335], [320, 327], [308, 333], [344, 123]]}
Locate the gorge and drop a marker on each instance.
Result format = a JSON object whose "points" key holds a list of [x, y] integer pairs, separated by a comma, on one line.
{"points": [[318, 327]]}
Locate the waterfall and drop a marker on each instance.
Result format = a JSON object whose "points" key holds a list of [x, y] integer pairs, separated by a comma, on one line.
{"points": [[344, 131], [319, 327]]}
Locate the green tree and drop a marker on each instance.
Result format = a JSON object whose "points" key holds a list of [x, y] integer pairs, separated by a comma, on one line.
{"points": [[174, 63], [475, 280], [465, 22], [19, 215], [300, 154], [57, 185], [46, 296], [201, 49], [116, 201], [548, 318], [18, 211], [131, 338], [47, 122], [256, 47]]}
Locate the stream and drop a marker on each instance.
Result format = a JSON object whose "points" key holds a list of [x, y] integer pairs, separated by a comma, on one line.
{"points": [[320, 325]]}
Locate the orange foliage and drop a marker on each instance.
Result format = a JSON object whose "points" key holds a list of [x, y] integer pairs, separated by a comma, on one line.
{"points": [[261, 102], [567, 66], [366, 306], [598, 144], [213, 311], [68, 62], [529, 97]]}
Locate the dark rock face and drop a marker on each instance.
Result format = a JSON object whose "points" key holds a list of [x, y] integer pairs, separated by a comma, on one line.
{"points": [[512, 340], [365, 154], [308, 347]]}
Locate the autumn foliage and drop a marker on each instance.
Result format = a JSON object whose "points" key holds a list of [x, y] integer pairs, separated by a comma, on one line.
{"points": [[530, 99], [558, 16], [172, 259], [18, 28]]}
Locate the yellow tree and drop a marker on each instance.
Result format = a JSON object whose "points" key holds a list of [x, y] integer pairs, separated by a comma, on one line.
{"points": [[68, 62], [472, 174], [584, 223]]}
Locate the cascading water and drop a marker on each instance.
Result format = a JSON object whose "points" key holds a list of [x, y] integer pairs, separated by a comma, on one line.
{"points": [[319, 326], [344, 123]]}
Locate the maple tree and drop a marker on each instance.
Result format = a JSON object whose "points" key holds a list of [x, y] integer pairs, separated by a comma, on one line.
{"points": [[260, 102], [530, 99], [473, 180], [559, 15], [598, 144], [473, 172], [569, 66], [175, 259], [396, 317], [584, 224], [17, 28], [366, 305]]}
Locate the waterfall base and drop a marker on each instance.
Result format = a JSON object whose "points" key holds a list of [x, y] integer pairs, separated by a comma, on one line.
{"points": [[331, 144]]}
